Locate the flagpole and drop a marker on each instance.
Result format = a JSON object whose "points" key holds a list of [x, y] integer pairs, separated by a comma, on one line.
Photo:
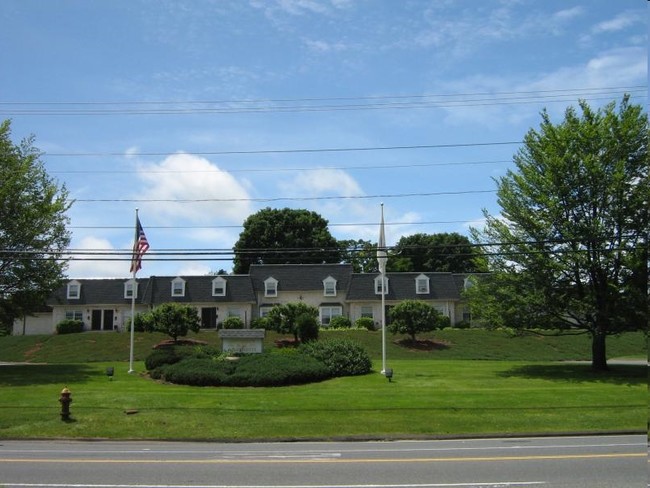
{"points": [[382, 257], [133, 292]]}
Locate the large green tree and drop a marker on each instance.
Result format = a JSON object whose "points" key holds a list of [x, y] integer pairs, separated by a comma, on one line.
{"points": [[570, 248], [281, 236], [444, 252], [286, 318], [361, 254], [33, 231], [413, 316], [175, 319]]}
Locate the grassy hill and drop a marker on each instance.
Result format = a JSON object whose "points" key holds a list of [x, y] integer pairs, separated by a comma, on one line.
{"points": [[521, 386], [446, 344]]}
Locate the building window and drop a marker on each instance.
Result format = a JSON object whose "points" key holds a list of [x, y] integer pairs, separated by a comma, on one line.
{"points": [[178, 287], [378, 287], [74, 315], [130, 289], [271, 287], [236, 312], [219, 287], [264, 310], [422, 285], [366, 311], [329, 287], [328, 313], [74, 290]]}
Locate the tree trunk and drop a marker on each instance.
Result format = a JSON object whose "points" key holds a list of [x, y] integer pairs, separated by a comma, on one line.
{"points": [[598, 350]]}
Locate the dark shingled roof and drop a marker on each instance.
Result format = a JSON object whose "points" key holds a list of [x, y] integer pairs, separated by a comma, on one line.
{"points": [[401, 286], [103, 291], [155, 290], [300, 277], [199, 289]]}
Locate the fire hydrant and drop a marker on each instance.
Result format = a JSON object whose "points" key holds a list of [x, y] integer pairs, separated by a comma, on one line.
{"points": [[65, 401]]}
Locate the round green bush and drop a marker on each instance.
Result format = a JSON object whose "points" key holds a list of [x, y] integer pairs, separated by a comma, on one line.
{"points": [[365, 323], [161, 356], [69, 326], [342, 357], [340, 322], [232, 323], [307, 327]]}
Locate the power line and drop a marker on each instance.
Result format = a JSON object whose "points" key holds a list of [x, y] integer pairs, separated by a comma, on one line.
{"points": [[287, 169], [278, 199], [239, 226], [307, 104], [287, 151]]}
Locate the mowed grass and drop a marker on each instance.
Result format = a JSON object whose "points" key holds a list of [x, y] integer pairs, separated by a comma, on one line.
{"points": [[430, 395]]}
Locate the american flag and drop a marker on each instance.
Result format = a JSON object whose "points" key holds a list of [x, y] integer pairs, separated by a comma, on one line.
{"points": [[140, 246]]}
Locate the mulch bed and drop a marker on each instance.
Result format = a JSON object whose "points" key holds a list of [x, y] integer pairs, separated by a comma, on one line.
{"points": [[179, 342]]}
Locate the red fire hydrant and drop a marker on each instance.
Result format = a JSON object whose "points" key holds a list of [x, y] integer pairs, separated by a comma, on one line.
{"points": [[65, 401]]}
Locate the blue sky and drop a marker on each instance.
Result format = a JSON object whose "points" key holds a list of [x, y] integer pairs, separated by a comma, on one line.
{"points": [[201, 112]]}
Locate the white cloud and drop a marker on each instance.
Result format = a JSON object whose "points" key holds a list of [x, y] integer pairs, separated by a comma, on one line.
{"points": [[322, 182], [207, 193], [618, 23], [568, 14], [89, 267], [611, 68]]}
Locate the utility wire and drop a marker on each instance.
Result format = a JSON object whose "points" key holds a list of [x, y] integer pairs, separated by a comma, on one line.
{"points": [[285, 169], [284, 151], [277, 199]]}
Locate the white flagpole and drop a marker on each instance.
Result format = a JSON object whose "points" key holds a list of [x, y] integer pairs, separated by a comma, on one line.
{"points": [[382, 257], [133, 292]]}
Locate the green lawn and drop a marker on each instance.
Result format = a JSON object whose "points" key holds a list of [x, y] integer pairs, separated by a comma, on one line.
{"points": [[432, 394]]}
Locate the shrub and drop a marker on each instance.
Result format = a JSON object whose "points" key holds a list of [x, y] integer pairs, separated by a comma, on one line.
{"points": [[341, 356], [253, 370], [260, 323], [462, 325], [161, 356], [340, 322], [69, 326], [277, 370], [143, 322], [194, 372], [232, 323], [365, 323], [307, 327]]}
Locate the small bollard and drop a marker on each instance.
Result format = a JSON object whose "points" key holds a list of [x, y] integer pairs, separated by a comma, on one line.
{"points": [[389, 374], [65, 401]]}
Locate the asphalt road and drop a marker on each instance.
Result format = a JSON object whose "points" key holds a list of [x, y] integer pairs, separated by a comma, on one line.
{"points": [[552, 462]]}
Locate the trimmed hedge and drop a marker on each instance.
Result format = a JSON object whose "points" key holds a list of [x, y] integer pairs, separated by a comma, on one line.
{"points": [[340, 322], [69, 326], [365, 323], [254, 370], [341, 356]]}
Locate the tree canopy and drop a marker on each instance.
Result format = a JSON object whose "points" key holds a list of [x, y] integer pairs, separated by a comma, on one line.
{"points": [[281, 236], [33, 231], [444, 252], [572, 250], [413, 316]]}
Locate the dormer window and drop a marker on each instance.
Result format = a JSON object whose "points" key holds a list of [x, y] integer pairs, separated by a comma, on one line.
{"points": [[130, 289], [378, 285], [329, 287], [74, 290], [270, 287], [219, 287], [178, 287], [422, 285]]}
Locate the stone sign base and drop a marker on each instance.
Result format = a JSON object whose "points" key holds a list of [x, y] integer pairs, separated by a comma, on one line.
{"points": [[242, 340]]}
